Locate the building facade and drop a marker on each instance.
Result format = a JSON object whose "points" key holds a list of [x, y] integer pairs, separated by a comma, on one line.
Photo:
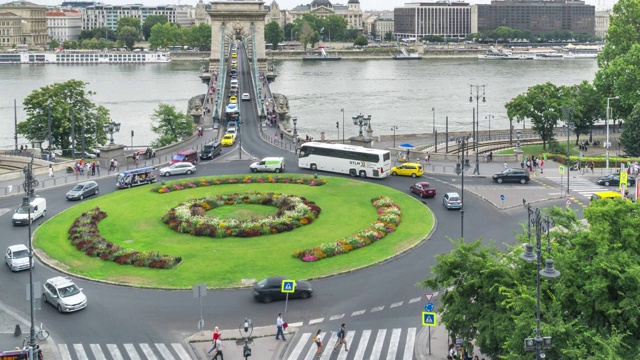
{"points": [[10, 29], [101, 15], [275, 14], [64, 24], [200, 15], [33, 22], [537, 16], [351, 12], [602, 23], [381, 26], [415, 20]]}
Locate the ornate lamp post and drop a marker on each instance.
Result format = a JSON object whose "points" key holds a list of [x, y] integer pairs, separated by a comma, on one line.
{"points": [[538, 343], [394, 128], [342, 126], [362, 120], [518, 140], [608, 144], [489, 117], [26, 205], [433, 110], [111, 127], [295, 129], [476, 119], [462, 143], [568, 113]]}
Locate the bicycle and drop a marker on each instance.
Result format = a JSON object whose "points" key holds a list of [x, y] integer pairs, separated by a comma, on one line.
{"points": [[41, 335]]}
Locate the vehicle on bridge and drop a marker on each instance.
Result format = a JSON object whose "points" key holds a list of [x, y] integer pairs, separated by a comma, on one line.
{"points": [[228, 140], [345, 159], [135, 177]]}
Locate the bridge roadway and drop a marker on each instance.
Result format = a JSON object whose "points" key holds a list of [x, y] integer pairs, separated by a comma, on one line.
{"points": [[125, 315]]}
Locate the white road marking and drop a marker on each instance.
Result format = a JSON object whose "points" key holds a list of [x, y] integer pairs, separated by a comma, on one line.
{"points": [[181, 351], [299, 346], [133, 354], [396, 304], [393, 344], [362, 345], [164, 351], [297, 324], [409, 344], [414, 300], [336, 317], [80, 351], [146, 349], [64, 352], [315, 321], [379, 308], [328, 347], [377, 344], [97, 352], [359, 312]]}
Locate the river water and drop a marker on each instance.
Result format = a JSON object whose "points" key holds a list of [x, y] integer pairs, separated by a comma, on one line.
{"points": [[394, 93]]}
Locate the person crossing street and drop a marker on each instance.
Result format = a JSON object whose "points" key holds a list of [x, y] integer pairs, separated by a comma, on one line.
{"points": [[341, 339]]}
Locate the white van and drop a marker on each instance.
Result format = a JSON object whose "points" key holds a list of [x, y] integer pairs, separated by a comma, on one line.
{"points": [[38, 209], [273, 164], [234, 83]]}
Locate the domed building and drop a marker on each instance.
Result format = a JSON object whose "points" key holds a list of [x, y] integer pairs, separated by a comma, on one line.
{"points": [[351, 12]]}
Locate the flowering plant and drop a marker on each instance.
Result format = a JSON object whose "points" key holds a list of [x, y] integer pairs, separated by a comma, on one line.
{"points": [[166, 187]]}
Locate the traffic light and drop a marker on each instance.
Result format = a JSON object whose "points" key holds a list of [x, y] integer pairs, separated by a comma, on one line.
{"points": [[337, 125], [246, 352], [131, 133]]}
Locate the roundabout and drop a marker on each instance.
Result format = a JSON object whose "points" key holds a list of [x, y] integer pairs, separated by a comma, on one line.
{"points": [[331, 216]]}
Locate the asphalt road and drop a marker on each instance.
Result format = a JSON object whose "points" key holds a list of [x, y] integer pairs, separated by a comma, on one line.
{"points": [[120, 314]]}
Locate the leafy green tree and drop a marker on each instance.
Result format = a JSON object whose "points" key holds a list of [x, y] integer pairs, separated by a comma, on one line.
{"points": [[361, 40], [128, 35], [587, 105], [151, 20], [288, 28], [164, 35], [201, 36], [185, 37], [630, 137], [388, 36], [335, 27], [351, 34], [620, 77], [62, 99], [273, 34], [129, 21], [542, 104], [54, 44], [306, 34], [171, 125]]}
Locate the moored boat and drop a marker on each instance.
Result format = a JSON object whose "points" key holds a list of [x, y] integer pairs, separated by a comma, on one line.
{"points": [[84, 57]]}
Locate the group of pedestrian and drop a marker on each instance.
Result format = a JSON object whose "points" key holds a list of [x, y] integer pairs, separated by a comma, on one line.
{"points": [[217, 344], [460, 353], [488, 157], [23, 148], [82, 167], [532, 164], [113, 165], [200, 131]]}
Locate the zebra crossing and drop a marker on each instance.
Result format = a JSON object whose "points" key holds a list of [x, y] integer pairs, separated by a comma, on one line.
{"points": [[584, 187], [364, 344], [143, 351]]}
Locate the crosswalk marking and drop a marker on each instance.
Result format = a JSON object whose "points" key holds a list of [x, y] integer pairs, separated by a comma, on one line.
{"points": [[133, 354], [64, 352], [181, 351], [336, 317], [97, 352], [396, 304], [378, 308], [362, 345], [328, 348], [313, 349], [80, 351], [115, 353], [393, 346], [164, 351], [146, 349], [299, 346], [359, 312], [409, 344], [315, 321], [377, 344]]}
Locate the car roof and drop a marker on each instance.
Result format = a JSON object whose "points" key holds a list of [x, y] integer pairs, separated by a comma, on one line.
{"points": [[423, 183], [18, 247], [453, 194], [182, 163], [60, 281], [87, 182]]}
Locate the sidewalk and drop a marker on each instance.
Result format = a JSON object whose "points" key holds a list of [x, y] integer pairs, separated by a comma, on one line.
{"points": [[263, 344]]}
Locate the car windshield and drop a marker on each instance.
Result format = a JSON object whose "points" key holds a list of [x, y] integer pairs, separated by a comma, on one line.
{"points": [[77, 187], [262, 283], [20, 254], [22, 210], [228, 136], [207, 148], [68, 291], [178, 157]]}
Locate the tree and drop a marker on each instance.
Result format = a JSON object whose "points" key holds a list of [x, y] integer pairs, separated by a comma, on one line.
{"points": [[630, 137], [273, 34], [335, 27], [587, 105], [288, 28], [361, 40], [171, 125], [201, 36], [489, 295], [149, 22], [164, 35], [62, 99], [306, 34], [388, 36], [54, 44], [129, 21], [128, 35], [542, 104]]}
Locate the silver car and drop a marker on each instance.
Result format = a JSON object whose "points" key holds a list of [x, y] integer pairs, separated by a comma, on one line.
{"points": [[63, 294], [17, 257], [178, 168], [452, 201], [82, 190]]}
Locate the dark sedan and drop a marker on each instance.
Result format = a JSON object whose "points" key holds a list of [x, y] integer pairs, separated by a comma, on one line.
{"points": [[423, 189], [82, 190], [512, 175], [270, 289], [614, 179]]}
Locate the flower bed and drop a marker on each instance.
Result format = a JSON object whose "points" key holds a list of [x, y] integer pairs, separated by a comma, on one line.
{"points": [[84, 235], [389, 218], [166, 187], [190, 218]]}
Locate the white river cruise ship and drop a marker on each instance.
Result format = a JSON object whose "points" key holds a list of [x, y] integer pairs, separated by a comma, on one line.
{"points": [[84, 57]]}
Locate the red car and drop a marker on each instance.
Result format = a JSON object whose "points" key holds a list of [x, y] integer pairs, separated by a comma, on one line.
{"points": [[423, 189]]}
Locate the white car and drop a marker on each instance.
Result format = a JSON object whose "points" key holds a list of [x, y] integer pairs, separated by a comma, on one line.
{"points": [[17, 257], [246, 96], [63, 294], [178, 168], [232, 131]]}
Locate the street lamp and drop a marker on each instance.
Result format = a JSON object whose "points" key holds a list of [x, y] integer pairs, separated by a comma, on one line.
{"points": [[489, 117], [568, 116], [462, 143], [246, 330], [111, 127], [362, 120], [394, 128], [518, 140], [295, 129], [538, 343], [342, 126], [476, 115], [433, 110], [607, 144], [26, 206]]}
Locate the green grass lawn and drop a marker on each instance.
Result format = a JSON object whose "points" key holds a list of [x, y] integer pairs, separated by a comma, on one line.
{"points": [[133, 221]]}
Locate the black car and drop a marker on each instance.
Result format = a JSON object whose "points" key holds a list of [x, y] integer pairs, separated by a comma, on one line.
{"points": [[211, 150], [512, 175], [270, 289], [614, 179], [82, 190]]}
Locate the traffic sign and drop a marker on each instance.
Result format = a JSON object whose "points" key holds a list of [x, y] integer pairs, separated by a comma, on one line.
{"points": [[288, 286], [502, 197], [428, 318], [561, 169], [624, 177], [429, 307], [568, 202]]}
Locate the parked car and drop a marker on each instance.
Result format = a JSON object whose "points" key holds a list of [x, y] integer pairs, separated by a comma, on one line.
{"points": [[246, 96], [512, 175], [269, 289], [452, 200], [178, 168], [408, 169], [63, 294], [82, 190], [614, 179], [423, 189], [17, 257], [228, 140]]}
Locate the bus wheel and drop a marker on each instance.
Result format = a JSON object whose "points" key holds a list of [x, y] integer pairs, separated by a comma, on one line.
{"points": [[313, 167], [363, 174], [353, 173]]}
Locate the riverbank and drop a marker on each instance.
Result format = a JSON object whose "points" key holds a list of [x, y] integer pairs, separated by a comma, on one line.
{"points": [[356, 54]]}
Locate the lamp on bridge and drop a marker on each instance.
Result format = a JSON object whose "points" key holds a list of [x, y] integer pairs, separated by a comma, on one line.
{"points": [[362, 120], [518, 149], [295, 128], [111, 127]]}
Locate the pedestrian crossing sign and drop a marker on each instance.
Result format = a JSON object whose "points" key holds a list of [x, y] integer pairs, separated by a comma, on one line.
{"points": [[561, 169], [428, 318], [624, 178], [288, 286]]}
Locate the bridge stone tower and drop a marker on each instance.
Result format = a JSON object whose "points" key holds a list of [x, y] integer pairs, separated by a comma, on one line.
{"points": [[237, 20]]}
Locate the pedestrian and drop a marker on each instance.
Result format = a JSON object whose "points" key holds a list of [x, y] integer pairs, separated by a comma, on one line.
{"points": [[281, 135], [490, 156], [280, 325], [115, 164], [136, 159], [98, 167], [451, 352], [542, 166], [214, 339], [93, 168], [219, 347], [50, 170], [591, 166], [341, 339], [87, 166], [21, 148], [318, 340], [505, 165]]}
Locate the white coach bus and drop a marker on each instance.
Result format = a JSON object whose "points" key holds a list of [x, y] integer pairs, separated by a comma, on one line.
{"points": [[345, 159]]}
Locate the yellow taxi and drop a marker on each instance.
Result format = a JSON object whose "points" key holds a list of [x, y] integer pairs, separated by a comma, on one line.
{"points": [[607, 195], [228, 140], [408, 169], [234, 64], [233, 99], [234, 55]]}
